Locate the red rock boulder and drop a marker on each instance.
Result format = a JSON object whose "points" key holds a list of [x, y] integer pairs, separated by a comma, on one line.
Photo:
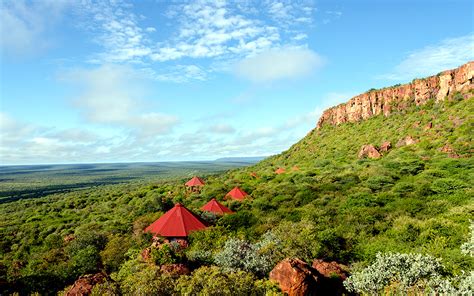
{"points": [[175, 269], [408, 140], [84, 285], [387, 145], [69, 238], [295, 277], [450, 151], [146, 254], [369, 151], [331, 269], [332, 276]]}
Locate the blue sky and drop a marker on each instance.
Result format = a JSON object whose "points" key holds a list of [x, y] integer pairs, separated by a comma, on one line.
{"points": [[115, 81]]}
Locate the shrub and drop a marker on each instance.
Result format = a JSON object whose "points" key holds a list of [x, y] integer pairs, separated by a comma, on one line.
{"points": [[114, 252], [238, 220], [166, 254], [333, 246], [407, 270], [377, 183], [210, 281], [258, 258], [204, 243], [468, 247], [86, 260], [447, 185], [138, 278]]}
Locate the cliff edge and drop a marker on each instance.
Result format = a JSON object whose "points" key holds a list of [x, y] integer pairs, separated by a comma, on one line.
{"points": [[396, 98]]}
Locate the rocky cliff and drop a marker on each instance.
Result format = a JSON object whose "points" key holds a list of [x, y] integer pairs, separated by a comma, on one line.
{"points": [[396, 98]]}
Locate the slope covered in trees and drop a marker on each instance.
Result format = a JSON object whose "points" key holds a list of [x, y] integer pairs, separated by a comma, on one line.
{"points": [[335, 206]]}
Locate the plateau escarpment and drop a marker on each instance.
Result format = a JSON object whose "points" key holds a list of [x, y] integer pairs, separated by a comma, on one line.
{"points": [[397, 98]]}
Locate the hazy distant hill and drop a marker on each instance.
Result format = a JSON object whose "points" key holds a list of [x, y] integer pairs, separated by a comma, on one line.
{"points": [[253, 159]]}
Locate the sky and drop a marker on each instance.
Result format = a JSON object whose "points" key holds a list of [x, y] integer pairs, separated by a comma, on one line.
{"points": [[128, 81]]}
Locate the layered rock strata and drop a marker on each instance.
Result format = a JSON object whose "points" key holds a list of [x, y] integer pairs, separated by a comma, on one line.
{"points": [[396, 98]]}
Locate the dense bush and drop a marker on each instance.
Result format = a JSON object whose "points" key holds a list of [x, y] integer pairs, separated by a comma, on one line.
{"points": [[213, 281], [407, 271], [258, 258]]}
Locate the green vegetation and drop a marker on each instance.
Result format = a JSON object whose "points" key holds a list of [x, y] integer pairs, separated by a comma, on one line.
{"points": [[415, 199], [30, 181]]}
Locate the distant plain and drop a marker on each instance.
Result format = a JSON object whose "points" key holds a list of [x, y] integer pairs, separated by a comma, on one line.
{"points": [[31, 181]]}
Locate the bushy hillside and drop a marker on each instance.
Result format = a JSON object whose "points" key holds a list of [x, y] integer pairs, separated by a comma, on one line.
{"points": [[415, 198], [335, 206]]}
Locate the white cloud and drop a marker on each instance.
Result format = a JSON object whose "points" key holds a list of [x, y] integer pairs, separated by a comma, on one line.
{"points": [[182, 73], [222, 128], [117, 30], [300, 36], [285, 63], [331, 15], [26, 143], [290, 12], [23, 25], [433, 59], [217, 30], [211, 29], [114, 95]]}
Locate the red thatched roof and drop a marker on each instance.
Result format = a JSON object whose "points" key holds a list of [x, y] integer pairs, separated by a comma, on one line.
{"points": [[214, 206], [177, 222], [195, 181], [237, 194]]}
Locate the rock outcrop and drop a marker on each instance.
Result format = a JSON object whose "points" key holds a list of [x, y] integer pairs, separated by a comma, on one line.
{"points": [[392, 99], [387, 145], [369, 151], [84, 285], [331, 269], [295, 277], [450, 151], [333, 275], [408, 140]]}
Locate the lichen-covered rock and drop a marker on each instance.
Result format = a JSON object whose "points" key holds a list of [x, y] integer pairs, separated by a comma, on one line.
{"points": [[392, 99], [84, 285], [387, 145], [295, 277], [408, 140], [369, 151]]}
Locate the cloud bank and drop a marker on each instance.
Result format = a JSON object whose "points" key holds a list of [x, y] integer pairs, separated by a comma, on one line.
{"points": [[285, 63]]}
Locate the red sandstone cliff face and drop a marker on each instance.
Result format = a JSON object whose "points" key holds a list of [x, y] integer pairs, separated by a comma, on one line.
{"points": [[392, 99]]}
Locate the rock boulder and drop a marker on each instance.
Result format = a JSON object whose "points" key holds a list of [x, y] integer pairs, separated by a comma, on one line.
{"points": [[332, 276], [84, 285], [369, 151], [175, 269], [450, 151], [295, 277], [387, 145], [408, 140]]}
